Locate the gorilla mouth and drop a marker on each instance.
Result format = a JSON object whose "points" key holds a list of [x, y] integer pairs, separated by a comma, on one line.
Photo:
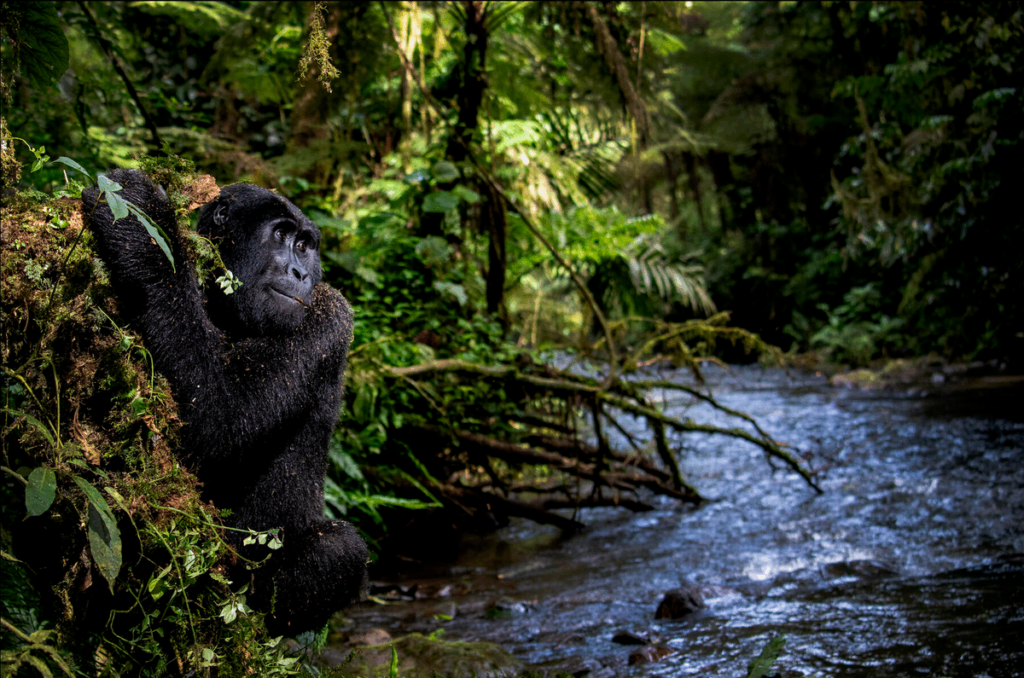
{"points": [[290, 297]]}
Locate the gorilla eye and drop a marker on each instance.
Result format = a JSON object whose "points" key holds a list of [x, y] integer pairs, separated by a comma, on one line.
{"points": [[301, 245], [279, 234]]}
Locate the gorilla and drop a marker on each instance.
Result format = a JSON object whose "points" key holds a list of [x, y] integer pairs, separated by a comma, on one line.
{"points": [[257, 376]]}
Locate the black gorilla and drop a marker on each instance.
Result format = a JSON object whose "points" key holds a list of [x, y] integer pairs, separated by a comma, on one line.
{"points": [[257, 376]]}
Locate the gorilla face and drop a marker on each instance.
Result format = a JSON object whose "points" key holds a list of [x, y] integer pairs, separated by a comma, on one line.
{"points": [[273, 249]]}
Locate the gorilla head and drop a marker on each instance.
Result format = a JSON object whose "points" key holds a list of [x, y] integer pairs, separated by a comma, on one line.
{"points": [[273, 248]]}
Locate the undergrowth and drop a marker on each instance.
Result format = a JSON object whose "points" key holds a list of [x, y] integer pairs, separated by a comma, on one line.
{"points": [[111, 563]]}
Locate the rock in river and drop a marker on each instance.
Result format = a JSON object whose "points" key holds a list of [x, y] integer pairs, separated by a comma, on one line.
{"points": [[680, 602]]}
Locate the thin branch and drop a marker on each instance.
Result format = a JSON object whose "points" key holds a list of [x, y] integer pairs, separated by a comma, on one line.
{"points": [[116, 63]]}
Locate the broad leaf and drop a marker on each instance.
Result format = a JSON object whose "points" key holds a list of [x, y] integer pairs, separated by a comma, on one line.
{"points": [[42, 488], [72, 164], [117, 205], [106, 184], [104, 537], [445, 171], [155, 232], [467, 194], [440, 201]]}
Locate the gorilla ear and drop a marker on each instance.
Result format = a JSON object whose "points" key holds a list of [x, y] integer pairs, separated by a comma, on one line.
{"points": [[220, 215]]}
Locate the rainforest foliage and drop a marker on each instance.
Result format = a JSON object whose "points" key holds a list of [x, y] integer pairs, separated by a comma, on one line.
{"points": [[503, 188]]}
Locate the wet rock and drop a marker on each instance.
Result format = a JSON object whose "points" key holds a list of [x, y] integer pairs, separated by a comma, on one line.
{"points": [[630, 638], [857, 378], [680, 602], [371, 637], [506, 608], [393, 591], [648, 654], [560, 639], [421, 657], [867, 569], [576, 667]]}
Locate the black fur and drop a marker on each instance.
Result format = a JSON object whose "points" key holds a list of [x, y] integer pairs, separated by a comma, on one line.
{"points": [[257, 376]]}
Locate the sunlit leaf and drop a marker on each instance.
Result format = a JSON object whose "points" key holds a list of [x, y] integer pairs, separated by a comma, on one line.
{"points": [[72, 164]]}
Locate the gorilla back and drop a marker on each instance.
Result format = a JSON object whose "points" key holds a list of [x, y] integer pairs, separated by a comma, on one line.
{"points": [[257, 376]]}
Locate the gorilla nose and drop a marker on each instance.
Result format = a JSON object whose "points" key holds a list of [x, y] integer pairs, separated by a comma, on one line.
{"points": [[299, 273]]}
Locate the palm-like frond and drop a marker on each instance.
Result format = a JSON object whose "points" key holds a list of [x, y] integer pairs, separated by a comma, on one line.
{"points": [[653, 273]]}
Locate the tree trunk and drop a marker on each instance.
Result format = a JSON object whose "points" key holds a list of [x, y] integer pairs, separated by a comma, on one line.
{"points": [[607, 46], [672, 175], [690, 160], [494, 217]]}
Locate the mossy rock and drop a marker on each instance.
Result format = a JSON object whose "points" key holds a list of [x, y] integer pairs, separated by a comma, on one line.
{"points": [[421, 657]]}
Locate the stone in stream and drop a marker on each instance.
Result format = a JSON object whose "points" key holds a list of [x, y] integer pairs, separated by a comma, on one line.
{"points": [[680, 602], [630, 638], [371, 637], [506, 608], [866, 569], [648, 654]]}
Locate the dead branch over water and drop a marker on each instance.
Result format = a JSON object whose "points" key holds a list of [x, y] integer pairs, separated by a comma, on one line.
{"points": [[563, 427]]}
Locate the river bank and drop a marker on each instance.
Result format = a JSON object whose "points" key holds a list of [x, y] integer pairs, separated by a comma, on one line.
{"points": [[909, 563]]}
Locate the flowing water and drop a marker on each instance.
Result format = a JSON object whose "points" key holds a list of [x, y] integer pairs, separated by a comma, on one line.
{"points": [[910, 564]]}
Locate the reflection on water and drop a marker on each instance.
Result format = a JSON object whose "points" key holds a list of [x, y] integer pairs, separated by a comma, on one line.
{"points": [[909, 564]]}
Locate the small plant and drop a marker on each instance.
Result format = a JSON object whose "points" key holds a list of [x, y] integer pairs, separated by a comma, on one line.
{"points": [[856, 331]]}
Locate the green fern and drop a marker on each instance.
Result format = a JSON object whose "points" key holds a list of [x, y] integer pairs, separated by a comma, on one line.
{"points": [[653, 273]]}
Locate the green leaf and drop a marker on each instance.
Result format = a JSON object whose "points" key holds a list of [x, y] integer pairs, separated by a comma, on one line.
{"points": [[44, 50], [457, 291], [393, 668], [366, 397], [105, 543], [664, 43], [118, 205], [440, 201], [203, 17], [394, 190], [72, 164], [42, 488], [467, 194], [104, 537], [121, 208], [105, 184], [769, 654], [344, 462], [445, 171], [32, 420]]}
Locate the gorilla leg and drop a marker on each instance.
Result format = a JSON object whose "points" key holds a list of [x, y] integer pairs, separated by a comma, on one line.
{"points": [[322, 571]]}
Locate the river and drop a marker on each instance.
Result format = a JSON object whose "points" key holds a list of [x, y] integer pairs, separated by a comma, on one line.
{"points": [[910, 564]]}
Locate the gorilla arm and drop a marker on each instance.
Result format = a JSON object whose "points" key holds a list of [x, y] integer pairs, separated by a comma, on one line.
{"points": [[231, 396]]}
